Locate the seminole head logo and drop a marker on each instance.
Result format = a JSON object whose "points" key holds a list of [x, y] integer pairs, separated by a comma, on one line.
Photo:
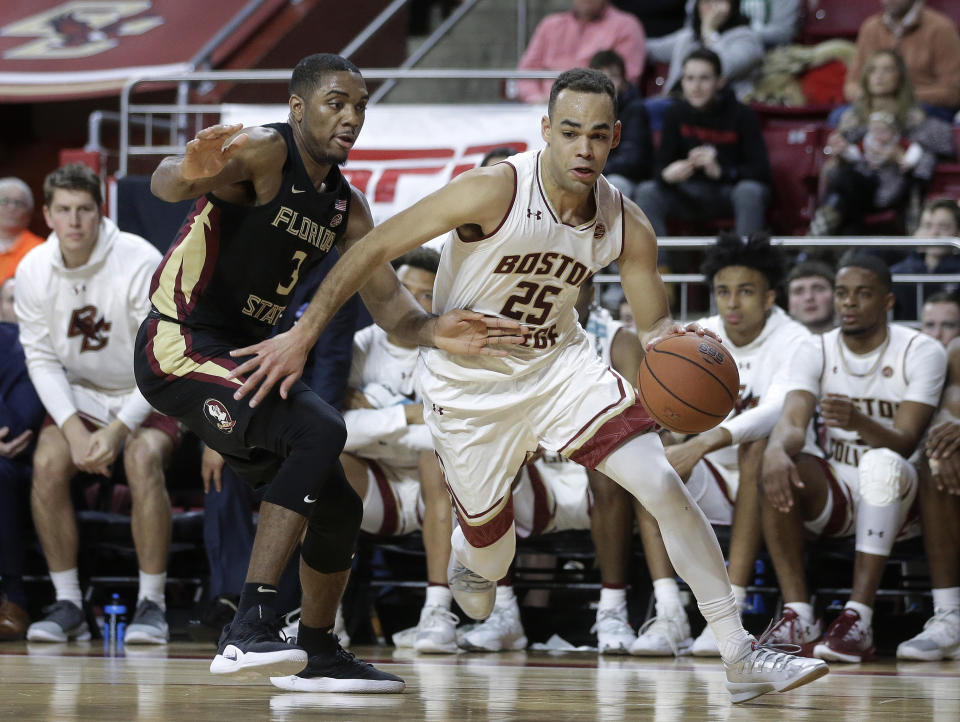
{"points": [[216, 413]]}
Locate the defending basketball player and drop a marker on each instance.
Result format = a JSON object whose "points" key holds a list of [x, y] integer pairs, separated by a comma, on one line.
{"points": [[272, 204], [877, 385], [524, 234]]}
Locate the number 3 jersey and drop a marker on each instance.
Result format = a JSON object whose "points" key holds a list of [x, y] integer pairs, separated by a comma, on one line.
{"points": [[232, 269], [529, 269]]}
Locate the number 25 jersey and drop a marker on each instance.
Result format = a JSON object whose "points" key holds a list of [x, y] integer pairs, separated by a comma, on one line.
{"points": [[529, 269]]}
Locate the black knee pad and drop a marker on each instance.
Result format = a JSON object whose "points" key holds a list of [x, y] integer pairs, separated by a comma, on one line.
{"points": [[333, 526]]}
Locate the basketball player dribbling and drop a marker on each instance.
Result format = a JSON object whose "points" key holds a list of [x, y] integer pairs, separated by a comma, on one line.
{"points": [[524, 234], [272, 202]]}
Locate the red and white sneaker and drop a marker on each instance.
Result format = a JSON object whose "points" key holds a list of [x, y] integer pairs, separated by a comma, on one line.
{"points": [[790, 629], [848, 639]]}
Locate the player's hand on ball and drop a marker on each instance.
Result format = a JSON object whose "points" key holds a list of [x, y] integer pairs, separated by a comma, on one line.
{"points": [[679, 329], [208, 153], [467, 332], [779, 477], [837, 411]]}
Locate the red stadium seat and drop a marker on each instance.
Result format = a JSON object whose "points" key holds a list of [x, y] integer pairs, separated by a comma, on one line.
{"points": [[795, 159], [830, 19]]}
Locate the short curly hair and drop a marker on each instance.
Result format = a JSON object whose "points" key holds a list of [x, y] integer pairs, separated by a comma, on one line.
{"points": [[754, 252]]}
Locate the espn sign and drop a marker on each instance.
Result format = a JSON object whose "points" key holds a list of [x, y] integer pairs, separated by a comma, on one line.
{"points": [[405, 152]]}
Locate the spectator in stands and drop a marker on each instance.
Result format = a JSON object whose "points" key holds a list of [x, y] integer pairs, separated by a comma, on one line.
{"points": [[940, 317], [16, 208], [810, 295], [940, 219], [569, 39], [632, 160], [712, 161], [929, 44], [775, 21], [877, 385], [873, 168], [228, 529], [20, 416], [720, 467], [720, 26], [939, 501], [80, 298]]}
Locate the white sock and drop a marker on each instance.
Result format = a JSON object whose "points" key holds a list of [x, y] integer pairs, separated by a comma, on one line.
{"points": [[611, 598], [740, 594], [803, 610], [723, 616], [152, 587], [946, 598], [666, 592], [505, 595], [438, 596], [865, 612], [67, 586]]}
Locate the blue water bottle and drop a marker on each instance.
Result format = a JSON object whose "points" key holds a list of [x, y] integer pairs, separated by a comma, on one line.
{"points": [[115, 612]]}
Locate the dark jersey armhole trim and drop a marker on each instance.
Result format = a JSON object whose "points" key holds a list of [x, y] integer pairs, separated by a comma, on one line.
{"points": [[623, 225], [506, 215]]}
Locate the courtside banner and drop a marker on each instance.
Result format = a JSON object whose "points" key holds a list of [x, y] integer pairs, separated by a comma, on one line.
{"points": [[408, 151]]}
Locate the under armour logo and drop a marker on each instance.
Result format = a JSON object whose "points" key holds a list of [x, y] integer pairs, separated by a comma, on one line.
{"points": [[536, 215], [294, 189], [870, 532], [437, 409]]}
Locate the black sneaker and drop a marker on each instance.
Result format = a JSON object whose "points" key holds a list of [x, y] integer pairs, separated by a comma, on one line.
{"points": [[333, 669], [251, 646]]}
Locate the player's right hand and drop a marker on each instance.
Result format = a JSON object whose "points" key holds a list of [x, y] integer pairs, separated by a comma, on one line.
{"points": [[12, 448], [208, 153], [778, 478], [943, 440], [211, 470]]}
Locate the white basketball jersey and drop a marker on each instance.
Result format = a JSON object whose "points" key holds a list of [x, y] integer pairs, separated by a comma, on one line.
{"points": [[908, 366], [601, 329], [530, 270]]}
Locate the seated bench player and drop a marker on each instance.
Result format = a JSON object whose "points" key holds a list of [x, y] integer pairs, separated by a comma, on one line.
{"points": [[878, 385], [80, 298]]}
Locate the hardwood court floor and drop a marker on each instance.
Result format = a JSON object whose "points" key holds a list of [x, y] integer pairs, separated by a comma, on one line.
{"points": [[77, 682]]}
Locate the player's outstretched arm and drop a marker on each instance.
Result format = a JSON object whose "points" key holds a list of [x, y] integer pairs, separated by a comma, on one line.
{"points": [[642, 284], [480, 197], [217, 158]]}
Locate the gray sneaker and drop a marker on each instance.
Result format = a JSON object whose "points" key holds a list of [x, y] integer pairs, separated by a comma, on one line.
{"points": [[149, 625], [476, 595], [764, 668], [64, 620]]}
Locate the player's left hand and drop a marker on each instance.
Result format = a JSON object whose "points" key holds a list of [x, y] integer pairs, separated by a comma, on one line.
{"points": [[837, 411], [683, 457], [279, 358], [468, 332], [943, 440], [679, 329]]}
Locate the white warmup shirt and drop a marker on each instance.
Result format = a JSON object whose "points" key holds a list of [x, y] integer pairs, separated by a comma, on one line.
{"points": [[601, 329], [385, 373], [78, 325], [908, 366]]}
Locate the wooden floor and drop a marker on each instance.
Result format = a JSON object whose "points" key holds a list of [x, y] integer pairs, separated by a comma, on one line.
{"points": [[79, 682]]}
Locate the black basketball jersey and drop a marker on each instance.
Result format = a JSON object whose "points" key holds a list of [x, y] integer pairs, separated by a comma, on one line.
{"points": [[233, 269]]}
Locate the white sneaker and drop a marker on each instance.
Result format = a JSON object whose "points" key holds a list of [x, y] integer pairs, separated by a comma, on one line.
{"points": [[502, 631], [291, 626], [764, 669], [405, 638], [706, 644], [476, 595], [437, 631], [939, 639], [663, 637], [614, 633]]}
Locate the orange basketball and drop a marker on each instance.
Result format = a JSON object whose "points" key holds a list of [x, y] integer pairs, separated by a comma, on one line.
{"points": [[688, 383]]}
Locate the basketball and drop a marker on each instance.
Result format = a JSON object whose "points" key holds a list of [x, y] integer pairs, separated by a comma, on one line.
{"points": [[688, 383]]}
